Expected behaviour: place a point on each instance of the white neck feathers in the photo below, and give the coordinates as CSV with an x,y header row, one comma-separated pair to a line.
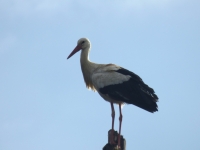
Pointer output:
x,y
87,68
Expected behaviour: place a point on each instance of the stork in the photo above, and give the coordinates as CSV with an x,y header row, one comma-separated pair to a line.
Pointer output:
x,y
115,84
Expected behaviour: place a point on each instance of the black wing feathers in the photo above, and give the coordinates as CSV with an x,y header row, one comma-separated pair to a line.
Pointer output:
x,y
133,91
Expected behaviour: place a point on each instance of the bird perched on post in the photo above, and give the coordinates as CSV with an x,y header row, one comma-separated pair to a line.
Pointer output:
x,y
115,84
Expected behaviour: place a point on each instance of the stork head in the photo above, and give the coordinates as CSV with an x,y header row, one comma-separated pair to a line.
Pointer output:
x,y
82,44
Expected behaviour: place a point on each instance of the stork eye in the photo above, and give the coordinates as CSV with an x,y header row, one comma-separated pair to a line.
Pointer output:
x,y
83,42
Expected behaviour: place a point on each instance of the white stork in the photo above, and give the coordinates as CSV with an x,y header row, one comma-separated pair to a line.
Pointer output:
x,y
115,84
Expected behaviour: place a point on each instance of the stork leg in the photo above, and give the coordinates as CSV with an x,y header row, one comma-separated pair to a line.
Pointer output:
x,y
113,119
120,123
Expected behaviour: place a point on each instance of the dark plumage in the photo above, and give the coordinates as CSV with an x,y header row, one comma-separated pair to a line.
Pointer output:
x,y
134,91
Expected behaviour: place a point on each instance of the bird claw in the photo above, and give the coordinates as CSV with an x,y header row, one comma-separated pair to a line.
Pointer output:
x,y
112,138
112,142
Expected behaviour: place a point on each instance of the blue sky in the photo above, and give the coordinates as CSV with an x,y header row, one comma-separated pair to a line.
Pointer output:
x,y
44,104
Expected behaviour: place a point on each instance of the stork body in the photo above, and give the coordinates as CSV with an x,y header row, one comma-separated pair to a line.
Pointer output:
x,y
115,84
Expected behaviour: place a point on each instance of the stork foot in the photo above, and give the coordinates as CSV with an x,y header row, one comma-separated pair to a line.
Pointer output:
x,y
112,138
119,141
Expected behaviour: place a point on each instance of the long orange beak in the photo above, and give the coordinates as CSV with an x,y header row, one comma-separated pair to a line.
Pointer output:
x,y
76,49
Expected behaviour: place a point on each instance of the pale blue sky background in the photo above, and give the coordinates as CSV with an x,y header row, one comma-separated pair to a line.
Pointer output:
x,y
44,104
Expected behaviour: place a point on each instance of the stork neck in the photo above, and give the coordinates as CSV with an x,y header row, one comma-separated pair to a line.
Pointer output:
x,y
85,56
86,65
87,68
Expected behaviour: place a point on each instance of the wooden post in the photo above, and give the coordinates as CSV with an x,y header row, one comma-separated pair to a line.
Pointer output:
x,y
108,146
